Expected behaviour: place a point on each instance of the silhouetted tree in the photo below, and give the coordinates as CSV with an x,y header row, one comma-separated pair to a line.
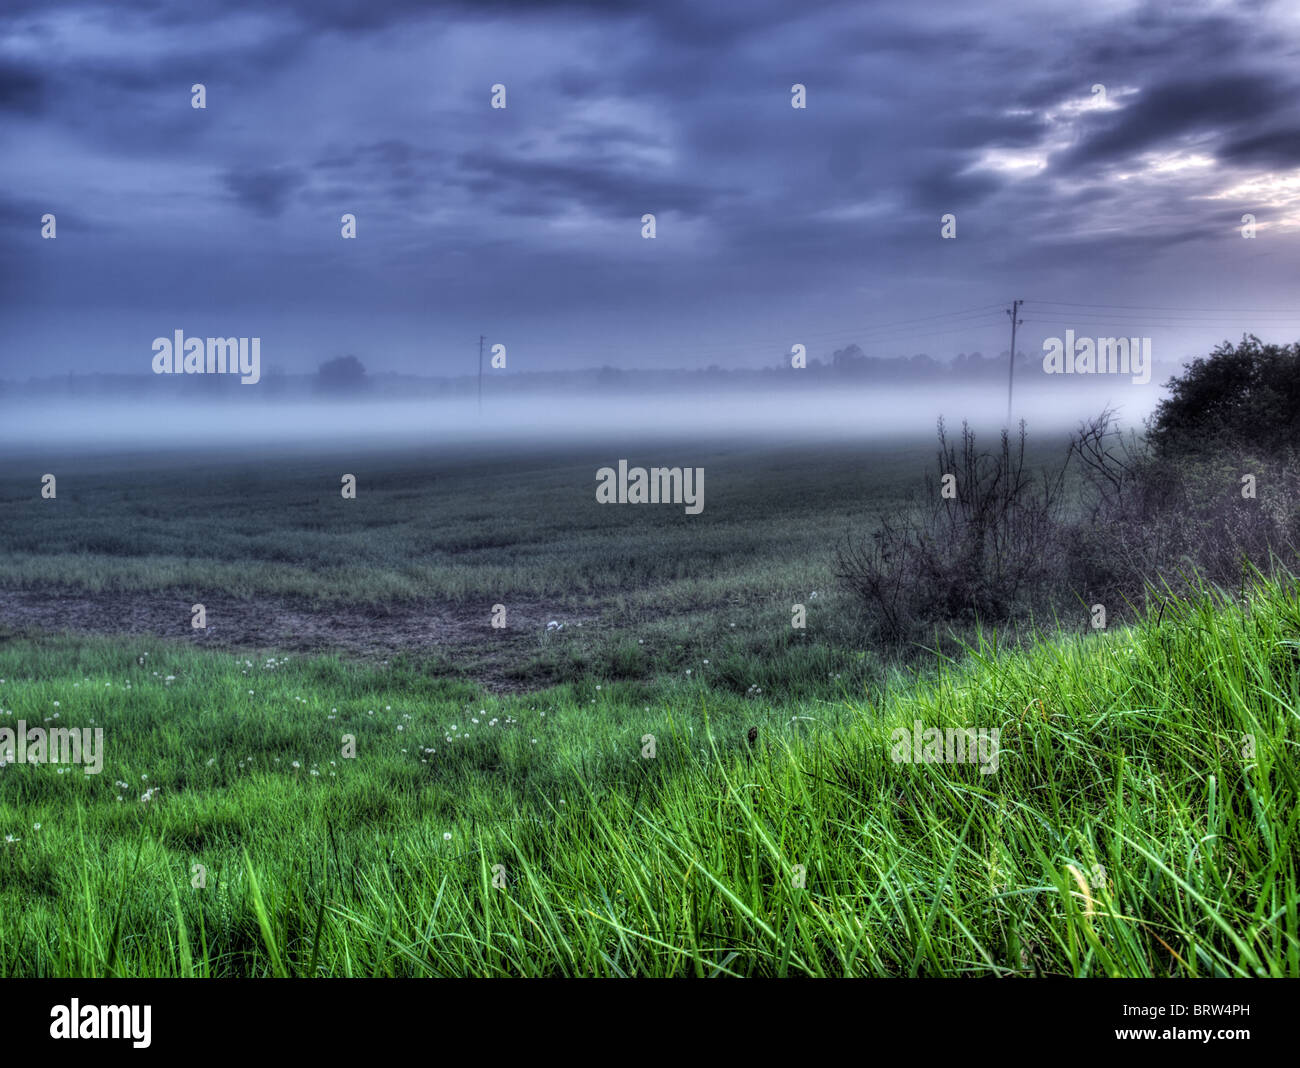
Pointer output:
x,y
610,377
343,374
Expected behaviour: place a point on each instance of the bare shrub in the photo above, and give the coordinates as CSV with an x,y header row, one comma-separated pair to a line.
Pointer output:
x,y
981,554
1012,543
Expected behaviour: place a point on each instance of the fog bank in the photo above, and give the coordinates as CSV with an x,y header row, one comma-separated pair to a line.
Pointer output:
x,y
839,415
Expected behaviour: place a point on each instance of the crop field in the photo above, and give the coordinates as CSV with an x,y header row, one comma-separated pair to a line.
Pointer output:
x,y
282,563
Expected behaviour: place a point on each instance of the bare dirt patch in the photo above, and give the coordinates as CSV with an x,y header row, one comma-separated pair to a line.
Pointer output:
x,y
462,633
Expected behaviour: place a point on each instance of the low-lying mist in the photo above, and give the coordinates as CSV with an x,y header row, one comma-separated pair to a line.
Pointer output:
x,y
839,415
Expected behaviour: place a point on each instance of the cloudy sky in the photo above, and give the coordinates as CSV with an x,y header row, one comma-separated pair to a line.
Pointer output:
x,y
775,225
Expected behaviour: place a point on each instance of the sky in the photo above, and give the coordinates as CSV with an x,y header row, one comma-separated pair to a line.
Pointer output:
x,y
1109,210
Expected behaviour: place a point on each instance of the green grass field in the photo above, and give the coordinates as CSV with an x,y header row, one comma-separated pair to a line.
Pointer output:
x,y
588,801
456,526
416,563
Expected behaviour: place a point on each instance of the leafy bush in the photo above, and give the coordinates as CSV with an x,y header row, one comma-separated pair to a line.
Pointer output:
x,y
1242,397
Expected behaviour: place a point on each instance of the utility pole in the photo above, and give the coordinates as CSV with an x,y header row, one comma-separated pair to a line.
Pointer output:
x,y
480,374
1013,311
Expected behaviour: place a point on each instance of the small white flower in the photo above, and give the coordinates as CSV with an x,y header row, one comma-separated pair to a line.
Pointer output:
x,y
446,836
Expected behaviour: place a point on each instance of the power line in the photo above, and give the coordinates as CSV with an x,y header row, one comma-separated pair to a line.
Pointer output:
x,y
1157,307
1273,320
1136,321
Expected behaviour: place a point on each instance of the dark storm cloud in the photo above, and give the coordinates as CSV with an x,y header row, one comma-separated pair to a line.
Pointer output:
x,y
395,155
20,212
394,169
1174,109
22,88
330,14
526,221
372,14
542,186
980,129
1158,34
957,191
1158,44
1274,148
675,17
264,191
